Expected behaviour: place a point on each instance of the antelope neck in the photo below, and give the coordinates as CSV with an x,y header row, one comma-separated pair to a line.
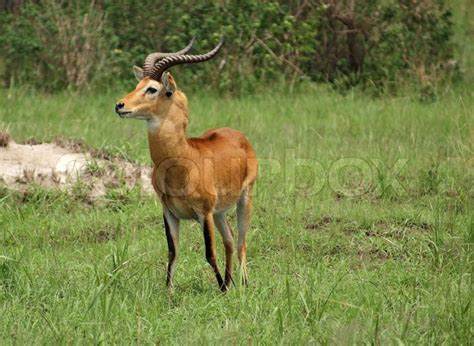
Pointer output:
x,y
167,137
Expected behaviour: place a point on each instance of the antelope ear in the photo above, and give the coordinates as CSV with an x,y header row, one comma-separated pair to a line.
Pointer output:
x,y
138,72
169,85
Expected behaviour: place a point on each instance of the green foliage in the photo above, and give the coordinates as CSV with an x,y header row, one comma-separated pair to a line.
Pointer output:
x,y
54,44
369,43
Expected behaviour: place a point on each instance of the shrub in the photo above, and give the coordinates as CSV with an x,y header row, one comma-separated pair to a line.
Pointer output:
x,y
372,43
54,44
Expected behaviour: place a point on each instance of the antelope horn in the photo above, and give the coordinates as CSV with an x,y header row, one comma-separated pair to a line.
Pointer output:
x,y
164,64
153,58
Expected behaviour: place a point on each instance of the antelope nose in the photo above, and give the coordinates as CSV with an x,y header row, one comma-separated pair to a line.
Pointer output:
x,y
119,106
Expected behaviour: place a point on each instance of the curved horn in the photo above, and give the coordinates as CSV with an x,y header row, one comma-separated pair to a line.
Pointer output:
x,y
164,64
153,58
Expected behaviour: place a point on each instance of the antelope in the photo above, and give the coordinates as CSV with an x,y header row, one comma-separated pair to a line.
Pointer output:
x,y
195,178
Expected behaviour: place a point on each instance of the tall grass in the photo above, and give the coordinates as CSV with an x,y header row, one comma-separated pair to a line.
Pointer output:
x,y
391,264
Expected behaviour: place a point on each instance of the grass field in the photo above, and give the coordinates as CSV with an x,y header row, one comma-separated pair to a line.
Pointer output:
x,y
362,230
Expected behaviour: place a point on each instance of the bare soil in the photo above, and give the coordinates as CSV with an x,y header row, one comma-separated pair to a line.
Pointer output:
x,y
67,162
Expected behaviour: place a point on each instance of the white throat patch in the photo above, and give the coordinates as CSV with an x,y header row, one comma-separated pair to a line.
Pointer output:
x,y
153,124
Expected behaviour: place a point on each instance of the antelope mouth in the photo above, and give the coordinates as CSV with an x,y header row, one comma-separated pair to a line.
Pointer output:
x,y
123,114
133,115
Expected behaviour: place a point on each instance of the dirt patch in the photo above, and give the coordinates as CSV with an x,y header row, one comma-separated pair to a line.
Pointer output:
x,y
322,223
372,255
369,259
105,236
68,162
392,228
397,229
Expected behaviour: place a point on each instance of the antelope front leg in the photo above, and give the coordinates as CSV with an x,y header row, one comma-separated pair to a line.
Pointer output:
x,y
210,243
172,237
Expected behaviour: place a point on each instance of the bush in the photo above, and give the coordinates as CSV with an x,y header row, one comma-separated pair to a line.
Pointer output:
x,y
345,42
54,44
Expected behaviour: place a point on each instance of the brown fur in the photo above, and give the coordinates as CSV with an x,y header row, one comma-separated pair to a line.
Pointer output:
x,y
196,178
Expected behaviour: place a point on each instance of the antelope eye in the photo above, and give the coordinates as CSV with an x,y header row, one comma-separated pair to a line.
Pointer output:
x,y
150,90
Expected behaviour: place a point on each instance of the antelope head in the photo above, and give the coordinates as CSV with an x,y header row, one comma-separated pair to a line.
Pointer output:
x,y
156,90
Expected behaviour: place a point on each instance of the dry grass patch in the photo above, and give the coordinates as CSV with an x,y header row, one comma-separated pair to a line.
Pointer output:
x,y
4,138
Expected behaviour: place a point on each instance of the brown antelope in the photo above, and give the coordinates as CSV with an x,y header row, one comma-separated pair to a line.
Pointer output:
x,y
195,178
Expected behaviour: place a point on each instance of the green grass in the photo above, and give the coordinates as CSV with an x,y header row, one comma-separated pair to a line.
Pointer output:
x,y
392,264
